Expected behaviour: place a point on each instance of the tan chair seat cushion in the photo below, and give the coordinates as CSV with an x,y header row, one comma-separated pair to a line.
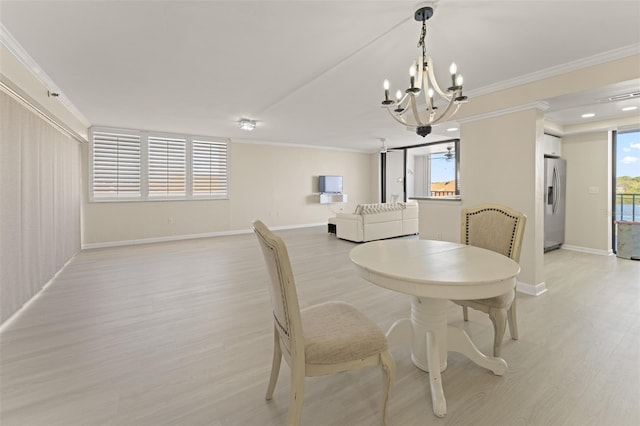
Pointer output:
x,y
337,332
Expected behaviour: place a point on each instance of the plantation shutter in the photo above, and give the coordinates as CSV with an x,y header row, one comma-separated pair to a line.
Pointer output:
x,y
167,166
116,165
210,169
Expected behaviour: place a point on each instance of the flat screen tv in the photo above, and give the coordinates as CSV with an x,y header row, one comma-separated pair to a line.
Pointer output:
x,y
330,184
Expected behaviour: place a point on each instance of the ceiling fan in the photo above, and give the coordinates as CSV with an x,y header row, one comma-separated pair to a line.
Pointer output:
x,y
447,156
384,149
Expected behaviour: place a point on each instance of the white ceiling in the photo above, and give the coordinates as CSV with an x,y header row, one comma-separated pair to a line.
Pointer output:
x,y
310,72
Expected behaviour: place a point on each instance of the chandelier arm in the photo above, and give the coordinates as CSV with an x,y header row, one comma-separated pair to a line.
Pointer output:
x,y
404,99
420,76
434,82
398,118
416,114
427,99
446,113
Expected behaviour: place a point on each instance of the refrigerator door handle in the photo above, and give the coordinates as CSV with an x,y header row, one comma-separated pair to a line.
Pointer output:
x,y
554,183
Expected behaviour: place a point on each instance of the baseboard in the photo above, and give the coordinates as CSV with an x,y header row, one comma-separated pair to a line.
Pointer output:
x,y
26,304
191,236
587,250
530,289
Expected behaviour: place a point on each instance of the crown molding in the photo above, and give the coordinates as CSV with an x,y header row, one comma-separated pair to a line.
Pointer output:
x,y
30,64
601,58
296,145
542,106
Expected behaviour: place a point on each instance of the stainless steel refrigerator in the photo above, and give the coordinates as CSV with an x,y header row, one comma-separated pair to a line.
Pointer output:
x,y
555,178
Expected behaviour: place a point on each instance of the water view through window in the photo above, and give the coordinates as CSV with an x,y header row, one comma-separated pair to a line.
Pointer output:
x,y
627,176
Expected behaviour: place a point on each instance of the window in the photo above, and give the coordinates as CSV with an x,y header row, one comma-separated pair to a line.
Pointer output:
x,y
135,165
116,165
441,172
209,167
167,166
430,170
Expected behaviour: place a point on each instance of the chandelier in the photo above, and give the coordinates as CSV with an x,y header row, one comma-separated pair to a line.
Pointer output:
x,y
405,108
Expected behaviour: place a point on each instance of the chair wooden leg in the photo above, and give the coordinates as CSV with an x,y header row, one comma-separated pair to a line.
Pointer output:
x,y
465,313
499,319
296,394
275,365
388,376
512,319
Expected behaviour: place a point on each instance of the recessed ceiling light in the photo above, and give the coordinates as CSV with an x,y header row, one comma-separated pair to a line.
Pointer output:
x,y
452,129
588,115
631,108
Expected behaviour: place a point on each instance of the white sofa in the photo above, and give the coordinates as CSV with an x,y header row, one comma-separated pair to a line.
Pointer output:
x,y
377,221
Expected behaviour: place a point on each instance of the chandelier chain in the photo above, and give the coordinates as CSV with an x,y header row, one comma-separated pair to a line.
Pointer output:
x,y
421,43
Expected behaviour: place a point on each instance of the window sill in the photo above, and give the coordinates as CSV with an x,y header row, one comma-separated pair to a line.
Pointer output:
x,y
456,198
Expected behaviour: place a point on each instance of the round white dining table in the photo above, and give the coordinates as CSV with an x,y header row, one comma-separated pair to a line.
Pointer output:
x,y
433,272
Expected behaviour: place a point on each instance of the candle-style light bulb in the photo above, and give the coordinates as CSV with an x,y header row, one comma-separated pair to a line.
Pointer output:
x,y
459,80
430,92
399,95
386,101
453,69
412,75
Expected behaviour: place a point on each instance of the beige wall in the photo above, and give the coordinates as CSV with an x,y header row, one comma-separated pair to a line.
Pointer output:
x,y
274,183
500,162
439,220
588,224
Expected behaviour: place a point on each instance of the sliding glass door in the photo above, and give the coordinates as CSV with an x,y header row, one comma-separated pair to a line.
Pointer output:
x,y
626,179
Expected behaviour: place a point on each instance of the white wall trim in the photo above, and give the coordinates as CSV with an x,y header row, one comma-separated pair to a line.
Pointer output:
x,y
608,252
191,236
297,145
6,86
542,106
530,289
29,63
601,58
26,304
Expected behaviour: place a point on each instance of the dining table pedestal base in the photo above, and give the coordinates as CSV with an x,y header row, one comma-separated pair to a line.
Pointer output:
x,y
431,339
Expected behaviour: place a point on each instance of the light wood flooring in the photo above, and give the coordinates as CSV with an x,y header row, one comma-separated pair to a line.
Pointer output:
x,y
179,333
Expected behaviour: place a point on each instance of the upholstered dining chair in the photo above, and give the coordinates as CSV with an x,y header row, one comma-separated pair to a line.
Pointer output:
x,y
322,339
500,229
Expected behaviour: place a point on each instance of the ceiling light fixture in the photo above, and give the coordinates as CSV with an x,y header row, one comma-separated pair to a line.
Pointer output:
x,y
422,79
588,115
630,108
246,124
